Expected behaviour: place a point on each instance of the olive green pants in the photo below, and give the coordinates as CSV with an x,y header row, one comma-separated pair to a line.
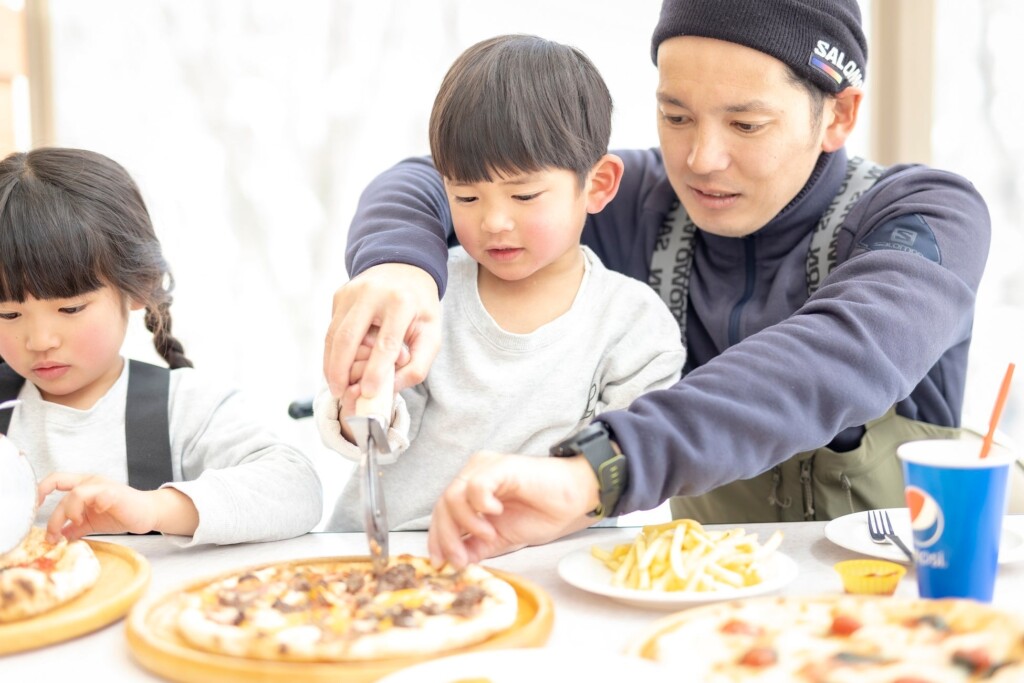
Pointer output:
x,y
820,484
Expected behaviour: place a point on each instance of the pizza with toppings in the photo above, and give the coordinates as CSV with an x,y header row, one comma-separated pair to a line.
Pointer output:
x,y
840,640
38,576
339,610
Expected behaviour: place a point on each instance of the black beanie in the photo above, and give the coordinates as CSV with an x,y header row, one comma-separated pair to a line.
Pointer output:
x,y
821,40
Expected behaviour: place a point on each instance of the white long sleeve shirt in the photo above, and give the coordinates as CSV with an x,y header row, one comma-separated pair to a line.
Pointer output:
x,y
246,484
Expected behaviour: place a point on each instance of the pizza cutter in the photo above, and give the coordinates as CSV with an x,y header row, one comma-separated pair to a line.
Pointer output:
x,y
369,426
17,495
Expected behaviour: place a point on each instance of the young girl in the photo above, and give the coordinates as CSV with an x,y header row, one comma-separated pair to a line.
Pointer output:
x,y
134,447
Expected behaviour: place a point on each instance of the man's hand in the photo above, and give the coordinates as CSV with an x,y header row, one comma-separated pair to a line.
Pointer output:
x,y
402,302
500,503
94,505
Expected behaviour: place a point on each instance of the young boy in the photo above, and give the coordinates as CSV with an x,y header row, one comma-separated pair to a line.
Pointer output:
x,y
538,337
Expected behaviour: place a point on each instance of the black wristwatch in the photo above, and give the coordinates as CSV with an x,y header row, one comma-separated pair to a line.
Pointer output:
x,y
594,443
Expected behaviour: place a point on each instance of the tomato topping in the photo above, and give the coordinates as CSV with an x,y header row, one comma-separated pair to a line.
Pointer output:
x,y
759,656
844,625
737,627
44,564
976,661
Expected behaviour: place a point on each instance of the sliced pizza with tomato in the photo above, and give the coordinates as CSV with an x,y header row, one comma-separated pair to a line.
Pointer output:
x,y
38,576
841,640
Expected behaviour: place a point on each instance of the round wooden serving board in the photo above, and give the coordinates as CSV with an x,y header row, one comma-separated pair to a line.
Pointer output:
x,y
153,639
124,575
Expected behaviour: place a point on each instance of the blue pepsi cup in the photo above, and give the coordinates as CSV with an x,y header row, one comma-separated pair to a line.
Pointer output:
x,y
957,501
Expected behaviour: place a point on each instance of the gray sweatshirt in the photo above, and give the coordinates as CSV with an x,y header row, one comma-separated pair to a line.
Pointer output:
x,y
514,393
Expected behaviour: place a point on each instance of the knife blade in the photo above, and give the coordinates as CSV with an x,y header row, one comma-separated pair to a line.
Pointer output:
x,y
369,427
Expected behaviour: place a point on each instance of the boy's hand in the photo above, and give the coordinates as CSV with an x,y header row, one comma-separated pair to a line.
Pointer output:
x,y
95,505
347,402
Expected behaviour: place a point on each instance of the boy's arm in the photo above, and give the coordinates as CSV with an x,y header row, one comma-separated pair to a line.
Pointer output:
x,y
640,338
647,354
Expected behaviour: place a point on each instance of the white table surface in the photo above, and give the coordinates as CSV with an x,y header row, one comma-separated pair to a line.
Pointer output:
x,y
581,619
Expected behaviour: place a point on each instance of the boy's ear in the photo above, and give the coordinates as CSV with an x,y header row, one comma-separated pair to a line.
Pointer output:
x,y
843,111
604,182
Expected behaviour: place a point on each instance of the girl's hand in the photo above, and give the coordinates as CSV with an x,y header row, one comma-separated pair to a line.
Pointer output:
x,y
95,505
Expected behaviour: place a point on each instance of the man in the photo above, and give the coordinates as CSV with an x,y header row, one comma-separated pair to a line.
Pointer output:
x,y
812,354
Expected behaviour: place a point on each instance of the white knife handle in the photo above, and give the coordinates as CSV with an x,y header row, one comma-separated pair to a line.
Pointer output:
x,y
380,405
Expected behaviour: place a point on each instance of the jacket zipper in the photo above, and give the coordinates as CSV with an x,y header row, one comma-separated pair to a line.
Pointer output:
x,y
750,253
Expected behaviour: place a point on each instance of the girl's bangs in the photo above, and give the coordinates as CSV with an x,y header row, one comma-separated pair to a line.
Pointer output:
x,y
46,250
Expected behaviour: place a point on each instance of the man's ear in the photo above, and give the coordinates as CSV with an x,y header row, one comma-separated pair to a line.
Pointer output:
x,y
603,182
843,107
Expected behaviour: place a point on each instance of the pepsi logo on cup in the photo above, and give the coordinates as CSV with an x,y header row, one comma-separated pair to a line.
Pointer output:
x,y
926,517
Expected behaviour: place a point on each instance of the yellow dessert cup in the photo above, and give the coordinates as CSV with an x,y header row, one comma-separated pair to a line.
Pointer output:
x,y
870,577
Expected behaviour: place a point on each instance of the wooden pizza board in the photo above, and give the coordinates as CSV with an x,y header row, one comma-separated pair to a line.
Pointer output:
x,y
154,640
124,575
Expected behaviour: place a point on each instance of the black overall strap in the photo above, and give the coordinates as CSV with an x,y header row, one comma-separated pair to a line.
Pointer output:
x,y
146,426
10,386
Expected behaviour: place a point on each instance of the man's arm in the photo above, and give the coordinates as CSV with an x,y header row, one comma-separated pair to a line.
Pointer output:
x,y
402,217
397,255
880,321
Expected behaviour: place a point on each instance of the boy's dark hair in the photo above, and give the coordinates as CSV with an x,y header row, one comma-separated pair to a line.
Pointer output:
x,y
72,221
519,104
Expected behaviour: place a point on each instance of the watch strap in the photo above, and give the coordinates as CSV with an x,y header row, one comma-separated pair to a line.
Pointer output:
x,y
609,464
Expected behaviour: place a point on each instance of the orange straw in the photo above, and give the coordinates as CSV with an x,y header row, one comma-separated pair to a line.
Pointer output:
x,y
986,445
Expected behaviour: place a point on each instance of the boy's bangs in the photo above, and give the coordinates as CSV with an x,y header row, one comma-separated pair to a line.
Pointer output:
x,y
46,250
487,144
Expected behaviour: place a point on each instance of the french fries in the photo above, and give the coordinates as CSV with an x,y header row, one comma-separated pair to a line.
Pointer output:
x,y
683,556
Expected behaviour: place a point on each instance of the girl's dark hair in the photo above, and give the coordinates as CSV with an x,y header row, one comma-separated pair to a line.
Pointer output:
x,y
519,104
73,221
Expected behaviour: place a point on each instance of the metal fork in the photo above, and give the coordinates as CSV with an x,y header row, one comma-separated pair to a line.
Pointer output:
x,y
880,528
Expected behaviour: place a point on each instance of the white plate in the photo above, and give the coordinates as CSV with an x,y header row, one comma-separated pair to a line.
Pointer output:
x,y
851,532
532,664
581,569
